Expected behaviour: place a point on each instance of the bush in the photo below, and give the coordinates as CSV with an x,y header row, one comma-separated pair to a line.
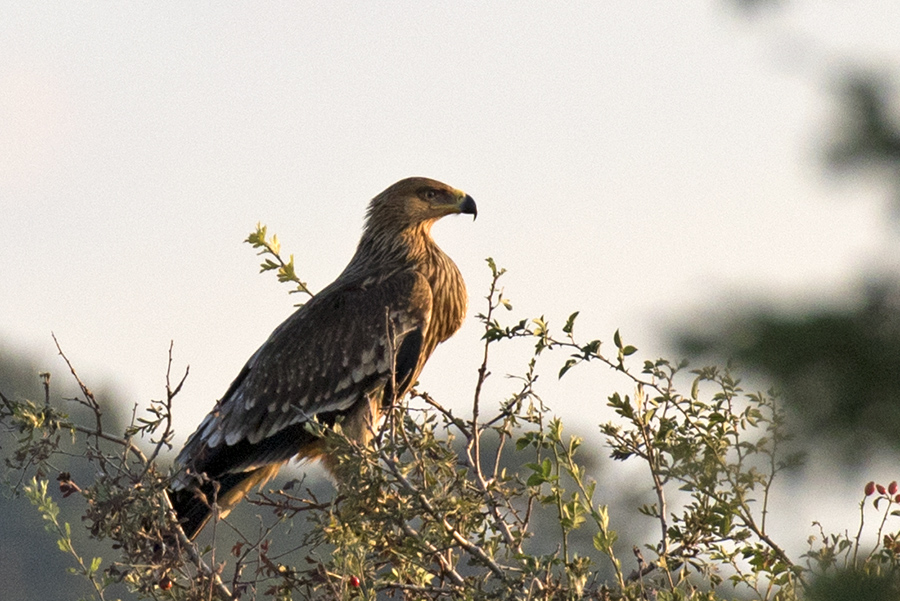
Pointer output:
x,y
495,504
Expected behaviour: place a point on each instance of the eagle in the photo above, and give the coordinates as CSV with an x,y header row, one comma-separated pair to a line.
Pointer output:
x,y
344,356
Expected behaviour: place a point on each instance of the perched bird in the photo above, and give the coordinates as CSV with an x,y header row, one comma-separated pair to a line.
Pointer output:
x,y
397,299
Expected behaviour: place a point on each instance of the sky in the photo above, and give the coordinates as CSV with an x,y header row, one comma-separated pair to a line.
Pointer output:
x,y
644,163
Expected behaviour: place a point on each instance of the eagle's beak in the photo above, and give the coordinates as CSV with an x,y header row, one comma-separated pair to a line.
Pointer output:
x,y
467,207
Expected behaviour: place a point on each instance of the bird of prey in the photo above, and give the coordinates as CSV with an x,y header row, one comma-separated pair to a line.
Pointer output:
x,y
345,355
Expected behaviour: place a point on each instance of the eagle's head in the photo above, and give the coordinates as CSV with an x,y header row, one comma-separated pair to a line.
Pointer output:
x,y
416,202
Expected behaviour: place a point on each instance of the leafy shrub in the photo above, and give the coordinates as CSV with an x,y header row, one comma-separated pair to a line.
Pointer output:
x,y
494,504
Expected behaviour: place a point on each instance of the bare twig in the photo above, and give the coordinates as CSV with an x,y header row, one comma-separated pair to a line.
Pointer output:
x,y
89,400
171,393
8,403
45,381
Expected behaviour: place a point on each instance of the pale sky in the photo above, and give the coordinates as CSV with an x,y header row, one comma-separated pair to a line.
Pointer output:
x,y
638,161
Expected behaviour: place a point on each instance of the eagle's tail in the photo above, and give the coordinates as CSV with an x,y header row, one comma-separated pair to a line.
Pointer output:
x,y
192,509
193,505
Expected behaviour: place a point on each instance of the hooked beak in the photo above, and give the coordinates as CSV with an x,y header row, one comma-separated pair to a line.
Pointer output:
x,y
467,207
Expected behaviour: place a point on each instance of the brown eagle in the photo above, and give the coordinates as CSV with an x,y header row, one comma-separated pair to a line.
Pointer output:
x,y
397,299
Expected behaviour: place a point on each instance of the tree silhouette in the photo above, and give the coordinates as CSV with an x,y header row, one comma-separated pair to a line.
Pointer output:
x,y
836,367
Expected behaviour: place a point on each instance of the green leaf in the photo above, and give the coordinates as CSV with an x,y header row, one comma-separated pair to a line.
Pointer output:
x,y
535,480
603,541
570,323
546,468
617,340
542,472
570,363
555,431
524,441
258,237
591,348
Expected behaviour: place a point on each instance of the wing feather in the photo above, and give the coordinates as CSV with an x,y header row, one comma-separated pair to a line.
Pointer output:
x,y
330,354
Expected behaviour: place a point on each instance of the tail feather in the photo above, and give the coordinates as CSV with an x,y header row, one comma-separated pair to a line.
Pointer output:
x,y
193,505
192,509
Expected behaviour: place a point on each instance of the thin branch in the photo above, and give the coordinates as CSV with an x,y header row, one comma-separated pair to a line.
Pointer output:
x,y
8,403
45,381
90,401
167,416
446,567
653,462
127,444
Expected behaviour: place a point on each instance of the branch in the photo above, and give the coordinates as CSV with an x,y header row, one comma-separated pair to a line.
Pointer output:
x,y
190,548
469,547
89,401
285,269
167,418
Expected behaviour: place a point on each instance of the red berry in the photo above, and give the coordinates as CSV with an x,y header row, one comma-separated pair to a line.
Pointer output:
x,y
881,490
896,498
165,583
354,581
892,487
870,488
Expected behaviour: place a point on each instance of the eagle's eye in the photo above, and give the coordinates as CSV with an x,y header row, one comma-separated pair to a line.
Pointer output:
x,y
430,194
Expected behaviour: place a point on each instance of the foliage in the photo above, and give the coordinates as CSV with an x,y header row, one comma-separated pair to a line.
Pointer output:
x,y
450,506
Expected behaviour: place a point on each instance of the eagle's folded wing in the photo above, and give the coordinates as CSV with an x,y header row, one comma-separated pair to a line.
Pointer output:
x,y
329,355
